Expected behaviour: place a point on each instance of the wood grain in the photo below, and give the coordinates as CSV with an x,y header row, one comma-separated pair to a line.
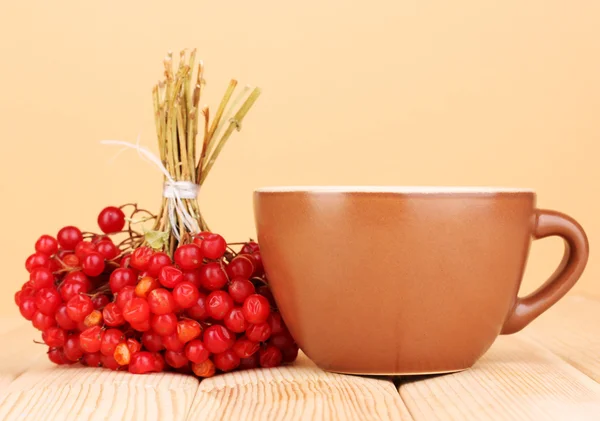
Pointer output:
x,y
516,380
18,351
301,392
571,329
48,392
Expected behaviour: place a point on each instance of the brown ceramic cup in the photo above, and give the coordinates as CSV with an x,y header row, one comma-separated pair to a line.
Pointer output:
x,y
382,281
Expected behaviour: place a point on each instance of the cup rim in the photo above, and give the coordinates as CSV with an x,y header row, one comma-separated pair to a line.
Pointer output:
x,y
395,189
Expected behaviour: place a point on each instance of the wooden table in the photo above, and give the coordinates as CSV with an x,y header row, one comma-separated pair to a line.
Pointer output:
x,y
550,371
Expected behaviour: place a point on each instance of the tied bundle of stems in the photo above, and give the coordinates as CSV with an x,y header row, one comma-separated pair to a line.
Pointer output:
x,y
177,114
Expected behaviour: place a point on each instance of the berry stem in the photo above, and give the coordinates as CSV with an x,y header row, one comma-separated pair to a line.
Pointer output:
x,y
177,113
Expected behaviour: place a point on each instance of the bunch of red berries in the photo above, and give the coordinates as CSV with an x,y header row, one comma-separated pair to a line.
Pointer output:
x,y
129,307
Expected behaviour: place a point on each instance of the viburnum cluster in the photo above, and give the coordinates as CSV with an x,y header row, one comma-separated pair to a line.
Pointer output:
x,y
173,297
207,309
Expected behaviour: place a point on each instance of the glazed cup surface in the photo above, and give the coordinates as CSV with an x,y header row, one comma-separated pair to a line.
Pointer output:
x,y
383,280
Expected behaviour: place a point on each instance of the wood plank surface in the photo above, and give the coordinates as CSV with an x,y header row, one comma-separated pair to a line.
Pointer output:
x,y
546,372
571,330
301,392
18,351
516,380
48,392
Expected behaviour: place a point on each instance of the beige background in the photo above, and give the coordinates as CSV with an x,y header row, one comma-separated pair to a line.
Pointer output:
x,y
378,92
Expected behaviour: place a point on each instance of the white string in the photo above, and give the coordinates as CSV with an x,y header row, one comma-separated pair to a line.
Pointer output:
x,y
185,189
173,190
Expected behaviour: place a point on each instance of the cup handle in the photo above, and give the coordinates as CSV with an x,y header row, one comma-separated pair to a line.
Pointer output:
x,y
549,223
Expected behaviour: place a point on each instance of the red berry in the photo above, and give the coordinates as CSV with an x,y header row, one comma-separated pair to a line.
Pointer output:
x,y
196,352
164,324
282,340
142,362
276,323
235,320
37,260
265,291
185,294
152,341
125,261
199,238
157,262
26,291
71,261
112,315
79,307
83,248
47,245
27,307
92,360
110,340
258,263
270,357
170,276
188,329
213,246
47,300
72,348
212,276
70,289
258,333
108,361
57,356
249,248
218,338
122,354
172,343
54,337
290,354
188,256
97,238
241,266
240,289
250,362
192,276
124,296
41,278
100,301
161,301
93,319
245,348
111,219
198,310
136,310
55,265
142,326
68,237
90,340
63,320
226,361
93,264
204,369
140,258
133,345
120,278
17,297
42,321
146,285
256,309
107,249
175,359
159,362
78,276
218,304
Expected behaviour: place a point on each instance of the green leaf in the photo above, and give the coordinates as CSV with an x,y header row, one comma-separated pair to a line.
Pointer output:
x,y
156,239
